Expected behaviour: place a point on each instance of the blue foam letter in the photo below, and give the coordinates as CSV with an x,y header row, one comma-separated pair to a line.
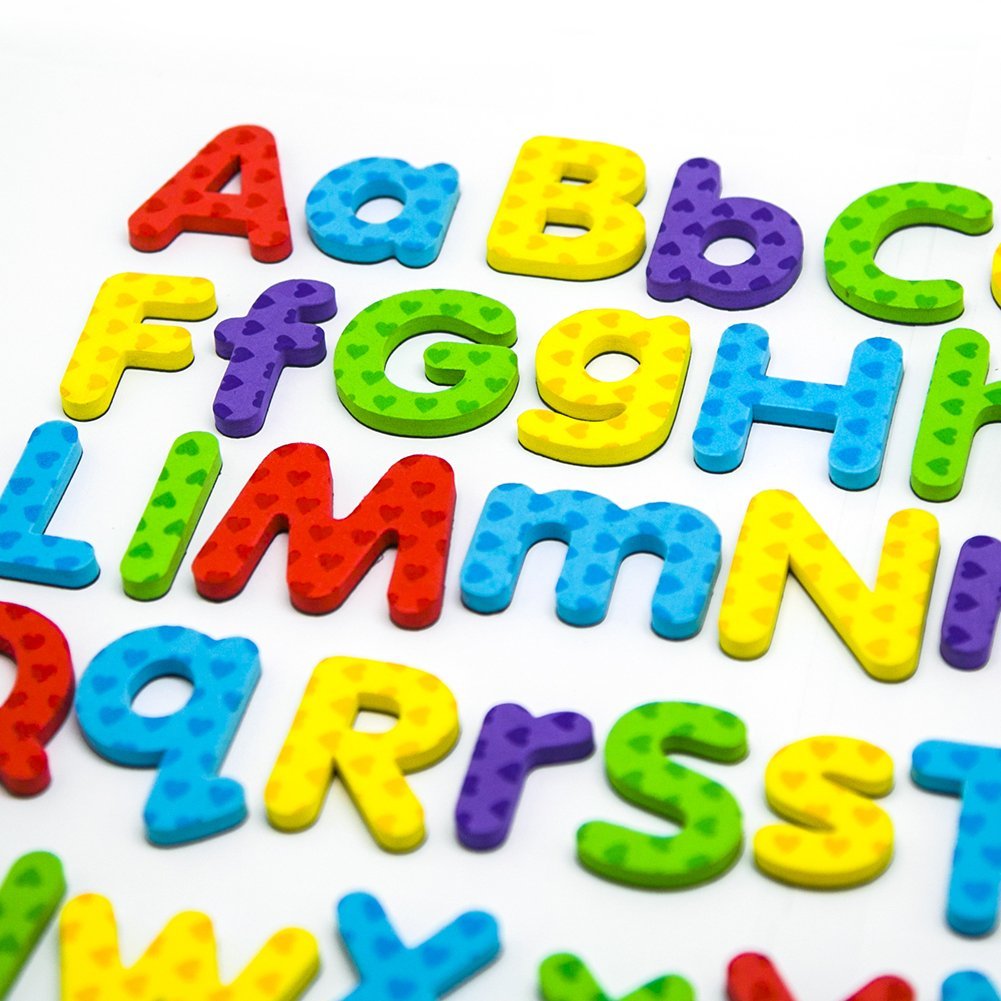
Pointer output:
x,y
28,503
414,237
188,800
859,412
599,536
388,969
968,985
973,773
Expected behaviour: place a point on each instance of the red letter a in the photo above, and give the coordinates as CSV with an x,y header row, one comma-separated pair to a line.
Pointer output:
x,y
192,200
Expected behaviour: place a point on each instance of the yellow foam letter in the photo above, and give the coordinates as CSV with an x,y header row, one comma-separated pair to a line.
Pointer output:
x,y
811,782
322,743
882,627
115,338
535,197
996,276
607,423
179,965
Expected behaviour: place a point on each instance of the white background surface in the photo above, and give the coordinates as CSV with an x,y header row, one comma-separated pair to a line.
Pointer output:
x,y
808,106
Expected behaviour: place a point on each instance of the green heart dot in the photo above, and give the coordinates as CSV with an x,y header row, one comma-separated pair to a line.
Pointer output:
x,y
615,854
28,876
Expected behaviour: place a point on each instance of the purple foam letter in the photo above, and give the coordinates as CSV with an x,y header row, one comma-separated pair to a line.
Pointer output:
x,y
511,743
696,216
971,613
278,331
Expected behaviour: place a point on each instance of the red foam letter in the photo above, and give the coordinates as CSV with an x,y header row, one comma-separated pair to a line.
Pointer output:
x,y
192,199
411,508
752,977
39,701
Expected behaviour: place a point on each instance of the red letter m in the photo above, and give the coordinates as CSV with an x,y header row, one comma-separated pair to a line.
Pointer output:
x,y
410,508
